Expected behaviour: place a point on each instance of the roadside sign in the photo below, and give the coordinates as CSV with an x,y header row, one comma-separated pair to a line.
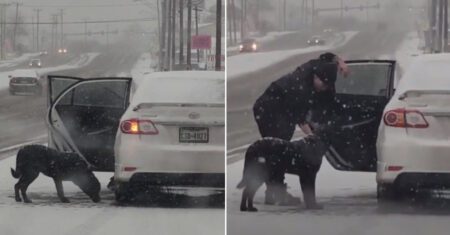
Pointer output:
x,y
201,42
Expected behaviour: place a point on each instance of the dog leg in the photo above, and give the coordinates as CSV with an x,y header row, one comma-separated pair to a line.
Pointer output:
x,y
308,185
244,199
60,191
252,188
27,178
269,195
16,191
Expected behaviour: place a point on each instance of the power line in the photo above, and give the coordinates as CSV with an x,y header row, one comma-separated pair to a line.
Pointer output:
x,y
82,5
88,22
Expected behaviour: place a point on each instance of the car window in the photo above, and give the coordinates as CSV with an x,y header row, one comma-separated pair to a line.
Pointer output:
x,y
365,79
109,94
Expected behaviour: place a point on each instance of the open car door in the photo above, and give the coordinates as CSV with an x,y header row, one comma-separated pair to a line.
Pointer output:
x,y
84,115
359,103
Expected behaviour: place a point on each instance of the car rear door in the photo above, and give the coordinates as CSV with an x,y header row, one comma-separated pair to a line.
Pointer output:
x,y
84,115
359,103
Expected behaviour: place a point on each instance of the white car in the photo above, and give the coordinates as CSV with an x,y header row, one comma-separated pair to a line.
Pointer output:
x,y
413,142
172,134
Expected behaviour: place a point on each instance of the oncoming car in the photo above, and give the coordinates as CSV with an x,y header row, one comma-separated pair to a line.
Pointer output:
x,y
25,82
173,134
248,45
35,63
316,40
413,141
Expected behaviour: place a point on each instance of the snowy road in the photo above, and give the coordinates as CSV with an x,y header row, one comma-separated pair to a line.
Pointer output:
x,y
47,216
349,198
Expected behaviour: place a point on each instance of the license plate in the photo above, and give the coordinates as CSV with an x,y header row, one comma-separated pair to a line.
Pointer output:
x,y
194,135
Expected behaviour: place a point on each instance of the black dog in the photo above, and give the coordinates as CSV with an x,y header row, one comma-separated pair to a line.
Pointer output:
x,y
268,159
33,159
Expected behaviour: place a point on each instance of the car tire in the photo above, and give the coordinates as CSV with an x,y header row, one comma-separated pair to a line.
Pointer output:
x,y
123,193
12,93
387,193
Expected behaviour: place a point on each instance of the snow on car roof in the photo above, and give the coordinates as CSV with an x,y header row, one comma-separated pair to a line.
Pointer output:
x,y
24,73
181,87
427,72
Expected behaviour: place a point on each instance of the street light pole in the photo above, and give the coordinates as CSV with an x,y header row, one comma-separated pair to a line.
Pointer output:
x,y
218,35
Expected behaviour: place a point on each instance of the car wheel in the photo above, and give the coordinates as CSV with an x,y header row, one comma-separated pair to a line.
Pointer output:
x,y
387,193
123,193
12,93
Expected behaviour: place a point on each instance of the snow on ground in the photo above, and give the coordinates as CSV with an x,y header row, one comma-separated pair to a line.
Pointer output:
x,y
18,60
47,216
78,62
250,62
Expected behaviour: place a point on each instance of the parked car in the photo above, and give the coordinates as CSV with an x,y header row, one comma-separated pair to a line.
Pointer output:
x,y
173,127
35,63
248,45
413,139
316,40
24,82
172,134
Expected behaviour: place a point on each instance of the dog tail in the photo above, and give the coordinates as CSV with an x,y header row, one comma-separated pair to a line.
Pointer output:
x,y
241,184
15,174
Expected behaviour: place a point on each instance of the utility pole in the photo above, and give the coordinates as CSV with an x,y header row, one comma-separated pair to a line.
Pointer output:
x,y
169,33
242,19
433,25
32,28
218,35
15,26
445,25
3,7
196,30
342,13
85,35
107,36
162,46
313,11
233,12
37,28
189,34
174,24
159,33
284,15
62,28
55,32
181,59
440,25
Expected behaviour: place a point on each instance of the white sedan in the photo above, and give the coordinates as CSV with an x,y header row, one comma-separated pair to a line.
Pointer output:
x,y
413,142
172,134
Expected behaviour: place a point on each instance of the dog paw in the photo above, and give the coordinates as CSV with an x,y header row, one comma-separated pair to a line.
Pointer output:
x,y
65,200
314,207
243,208
27,201
18,199
252,209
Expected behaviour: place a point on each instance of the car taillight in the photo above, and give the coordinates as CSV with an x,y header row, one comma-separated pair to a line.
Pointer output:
x,y
405,118
140,127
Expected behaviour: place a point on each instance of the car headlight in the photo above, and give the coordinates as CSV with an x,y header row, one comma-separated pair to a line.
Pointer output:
x,y
309,41
60,51
317,41
65,51
241,47
254,46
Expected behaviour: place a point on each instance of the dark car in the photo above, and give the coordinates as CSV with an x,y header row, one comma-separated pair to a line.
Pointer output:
x,y
27,83
248,45
35,63
360,101
316,40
